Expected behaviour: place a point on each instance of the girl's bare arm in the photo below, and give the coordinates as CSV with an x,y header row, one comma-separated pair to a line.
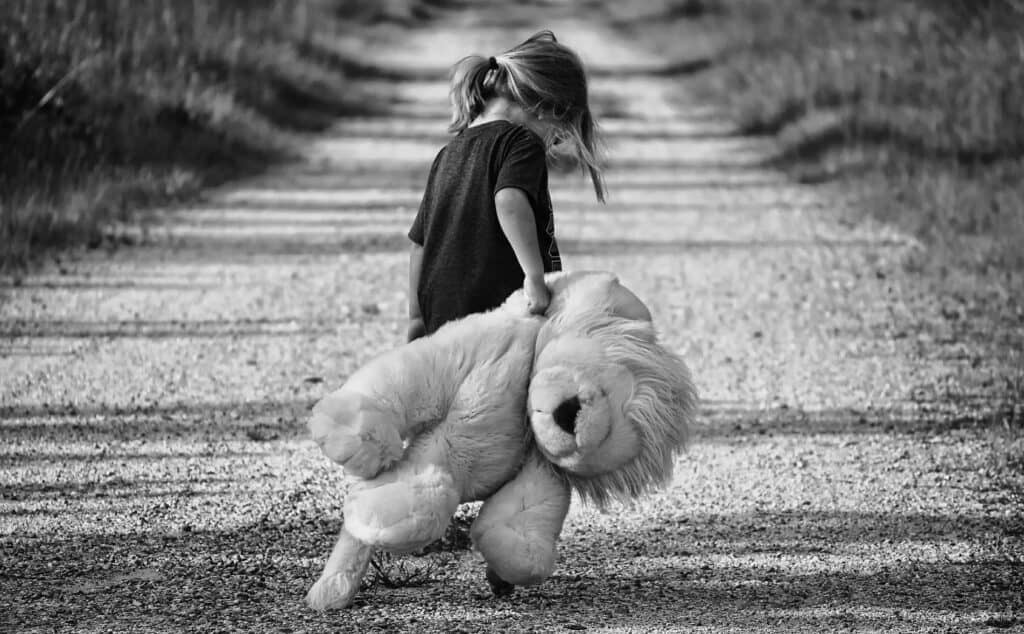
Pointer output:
x,y
416,327
515,215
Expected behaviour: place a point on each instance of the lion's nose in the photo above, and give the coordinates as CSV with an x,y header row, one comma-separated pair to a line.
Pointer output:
x,y
565,414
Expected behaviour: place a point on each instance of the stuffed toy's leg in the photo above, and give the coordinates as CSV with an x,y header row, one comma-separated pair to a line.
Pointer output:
x,y
518,526
404,508
342,574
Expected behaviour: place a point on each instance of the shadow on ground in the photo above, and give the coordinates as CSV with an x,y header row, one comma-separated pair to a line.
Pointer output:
x,y
181,566
741,565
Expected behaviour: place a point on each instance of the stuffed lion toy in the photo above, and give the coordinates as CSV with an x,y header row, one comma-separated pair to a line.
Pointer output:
x,y
510,409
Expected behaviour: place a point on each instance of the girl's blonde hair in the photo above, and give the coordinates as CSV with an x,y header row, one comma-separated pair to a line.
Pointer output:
x,y
547,79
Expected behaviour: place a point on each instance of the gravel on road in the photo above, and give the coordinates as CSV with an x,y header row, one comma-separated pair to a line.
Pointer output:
x,y
858,463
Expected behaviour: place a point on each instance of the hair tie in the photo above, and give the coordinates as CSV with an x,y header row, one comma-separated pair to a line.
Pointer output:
x,y
492,63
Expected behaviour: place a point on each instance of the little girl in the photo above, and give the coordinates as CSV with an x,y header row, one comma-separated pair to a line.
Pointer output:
x,y
485,226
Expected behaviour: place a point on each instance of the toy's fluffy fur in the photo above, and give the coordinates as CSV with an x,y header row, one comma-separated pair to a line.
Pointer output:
x,y
663,394
477,411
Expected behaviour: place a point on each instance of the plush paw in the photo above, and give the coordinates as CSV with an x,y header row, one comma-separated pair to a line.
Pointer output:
x,y
354,434
332,592
512,557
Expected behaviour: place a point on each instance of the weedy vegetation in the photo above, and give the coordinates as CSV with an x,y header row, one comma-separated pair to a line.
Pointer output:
x,y
111,106
916,107
394,571
425,565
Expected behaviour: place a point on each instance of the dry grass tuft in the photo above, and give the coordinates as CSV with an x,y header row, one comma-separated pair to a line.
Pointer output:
x,y
424,565
109,105
393,571
915,105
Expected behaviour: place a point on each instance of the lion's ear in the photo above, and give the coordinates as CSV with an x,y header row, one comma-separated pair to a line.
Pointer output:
x,y
583,291
623,303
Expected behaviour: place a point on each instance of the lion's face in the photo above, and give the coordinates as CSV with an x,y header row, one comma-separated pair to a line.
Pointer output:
x,y
608,404
578,407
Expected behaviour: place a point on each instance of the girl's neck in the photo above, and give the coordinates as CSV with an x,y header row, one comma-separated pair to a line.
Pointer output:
x,y
500,109
504,109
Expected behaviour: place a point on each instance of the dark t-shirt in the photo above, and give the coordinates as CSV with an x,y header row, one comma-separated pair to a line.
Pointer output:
x,y
468,264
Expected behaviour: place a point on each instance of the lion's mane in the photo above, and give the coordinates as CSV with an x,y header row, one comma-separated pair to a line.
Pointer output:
x,y
661,405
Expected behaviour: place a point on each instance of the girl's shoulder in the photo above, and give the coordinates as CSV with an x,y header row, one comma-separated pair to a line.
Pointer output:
x,y
522,133
517,139
486,141
502,130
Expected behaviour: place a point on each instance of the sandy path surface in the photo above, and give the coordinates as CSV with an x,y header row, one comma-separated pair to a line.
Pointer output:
x,y
849,471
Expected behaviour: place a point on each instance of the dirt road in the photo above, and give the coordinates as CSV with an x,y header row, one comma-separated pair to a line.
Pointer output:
x,y
850,470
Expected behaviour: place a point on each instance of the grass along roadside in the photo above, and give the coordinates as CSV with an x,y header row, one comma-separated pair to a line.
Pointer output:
x,y
914,107
111,107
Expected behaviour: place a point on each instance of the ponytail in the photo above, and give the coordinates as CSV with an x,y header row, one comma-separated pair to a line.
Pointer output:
x,y
470,89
